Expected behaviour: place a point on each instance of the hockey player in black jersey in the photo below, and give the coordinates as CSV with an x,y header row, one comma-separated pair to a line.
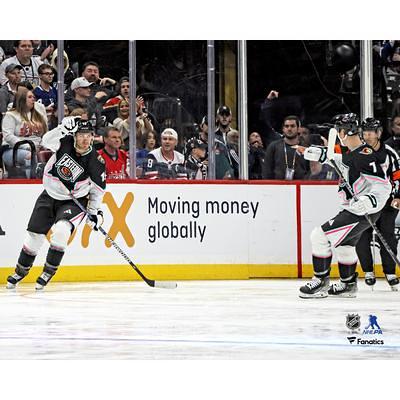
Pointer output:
x,y
390,162
362,170
74,168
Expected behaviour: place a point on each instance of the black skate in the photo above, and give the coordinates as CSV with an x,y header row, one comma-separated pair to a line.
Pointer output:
x,y
370,279
43,280
13,280
344,289
393,281
20,273
316,288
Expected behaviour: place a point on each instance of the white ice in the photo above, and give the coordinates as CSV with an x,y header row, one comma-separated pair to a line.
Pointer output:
x,y
253,319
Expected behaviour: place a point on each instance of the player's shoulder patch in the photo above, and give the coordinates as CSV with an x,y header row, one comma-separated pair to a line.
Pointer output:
x,y
366,151
100,158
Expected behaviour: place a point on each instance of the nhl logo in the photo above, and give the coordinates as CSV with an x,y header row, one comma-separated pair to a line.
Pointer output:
x,y
353,321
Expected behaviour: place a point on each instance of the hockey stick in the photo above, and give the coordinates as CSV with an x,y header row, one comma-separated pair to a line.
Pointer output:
x,y
330,156
150,282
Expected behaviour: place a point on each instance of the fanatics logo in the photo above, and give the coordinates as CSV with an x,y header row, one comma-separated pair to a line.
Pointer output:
x,y
68,169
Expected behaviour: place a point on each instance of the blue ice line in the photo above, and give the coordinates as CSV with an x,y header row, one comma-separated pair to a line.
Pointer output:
x,y
222,342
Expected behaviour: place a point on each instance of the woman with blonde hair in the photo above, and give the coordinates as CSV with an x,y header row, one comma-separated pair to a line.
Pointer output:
x,y
143,123
22,122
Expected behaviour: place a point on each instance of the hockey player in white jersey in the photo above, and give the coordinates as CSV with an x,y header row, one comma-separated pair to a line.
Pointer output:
x,y
75,168
362,170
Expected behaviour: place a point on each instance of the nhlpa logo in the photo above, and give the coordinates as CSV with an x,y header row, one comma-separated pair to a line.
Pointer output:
x,y
68,169
353,322
373,327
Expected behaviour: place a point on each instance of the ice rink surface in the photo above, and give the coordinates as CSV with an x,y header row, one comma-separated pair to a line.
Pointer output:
x,y
200,320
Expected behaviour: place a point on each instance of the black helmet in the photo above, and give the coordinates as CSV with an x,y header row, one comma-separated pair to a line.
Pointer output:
x,y
348,122
371,124
85,126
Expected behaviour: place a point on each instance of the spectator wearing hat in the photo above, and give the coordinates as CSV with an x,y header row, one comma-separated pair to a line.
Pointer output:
x,y
166,153
25,58
82,98
196,162
223,122
165,162
223,168
8,91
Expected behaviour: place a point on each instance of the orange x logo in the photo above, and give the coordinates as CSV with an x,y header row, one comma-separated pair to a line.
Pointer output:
x,y
119,222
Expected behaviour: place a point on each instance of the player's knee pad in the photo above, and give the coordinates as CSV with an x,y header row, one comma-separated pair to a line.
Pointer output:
x,y
61,232
346,255
33,242
320,244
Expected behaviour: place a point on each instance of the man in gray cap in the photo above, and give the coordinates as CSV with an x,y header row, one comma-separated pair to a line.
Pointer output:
x,y
7,92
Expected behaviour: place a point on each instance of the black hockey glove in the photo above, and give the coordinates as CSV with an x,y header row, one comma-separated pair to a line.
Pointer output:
x,y
95,220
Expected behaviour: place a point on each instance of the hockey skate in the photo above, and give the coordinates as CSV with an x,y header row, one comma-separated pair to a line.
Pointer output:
x,y
13,280
20,273
370,279
43,280
393,281
344,289
316,288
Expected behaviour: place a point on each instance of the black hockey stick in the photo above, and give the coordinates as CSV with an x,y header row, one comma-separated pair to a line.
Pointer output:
x,y
332,162
150,282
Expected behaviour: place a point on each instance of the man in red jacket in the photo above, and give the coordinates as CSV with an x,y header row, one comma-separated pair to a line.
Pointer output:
x,y
115,158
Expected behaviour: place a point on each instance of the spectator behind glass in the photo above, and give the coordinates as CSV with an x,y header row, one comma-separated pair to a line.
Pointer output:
x,y
122,122
102,88
46,94
232,143
394,140
7,92
165,162
82,98
223,167
282,160
256,155
196,162
115,158
21,123
223,122
28,62
149,144
123,93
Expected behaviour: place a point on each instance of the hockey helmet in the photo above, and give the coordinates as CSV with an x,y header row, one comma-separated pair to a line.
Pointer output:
x,y
349,122
371,124
85,126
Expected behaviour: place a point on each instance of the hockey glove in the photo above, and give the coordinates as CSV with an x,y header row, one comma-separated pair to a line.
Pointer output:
x,y
69,125
95,220
315,153
364,205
